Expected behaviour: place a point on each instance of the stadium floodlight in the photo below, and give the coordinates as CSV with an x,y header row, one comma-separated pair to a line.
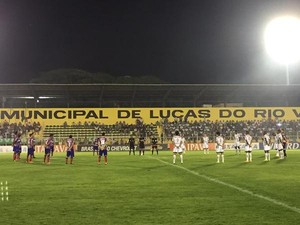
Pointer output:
x,y
282,43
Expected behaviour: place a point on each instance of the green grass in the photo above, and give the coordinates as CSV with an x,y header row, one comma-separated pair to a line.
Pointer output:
x,y
150,190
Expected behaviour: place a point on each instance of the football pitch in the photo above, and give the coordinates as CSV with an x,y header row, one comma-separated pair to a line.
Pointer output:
x,y
151,190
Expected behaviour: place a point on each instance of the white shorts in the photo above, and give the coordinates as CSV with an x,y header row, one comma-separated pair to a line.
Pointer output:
x,y
219,149
248,148
177,150
237,144
204,145
279,146
267,147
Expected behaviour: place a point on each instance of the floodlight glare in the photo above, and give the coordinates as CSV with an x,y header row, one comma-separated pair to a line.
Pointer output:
x,y
282,39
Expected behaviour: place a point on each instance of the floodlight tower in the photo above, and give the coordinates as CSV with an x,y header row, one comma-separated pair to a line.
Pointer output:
x,y
282,41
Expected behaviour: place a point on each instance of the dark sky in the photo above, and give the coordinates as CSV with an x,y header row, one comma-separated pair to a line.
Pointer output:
x,y
180,41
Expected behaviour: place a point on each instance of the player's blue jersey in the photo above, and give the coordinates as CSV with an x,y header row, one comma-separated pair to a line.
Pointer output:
x,y
31,142
17,142
49,143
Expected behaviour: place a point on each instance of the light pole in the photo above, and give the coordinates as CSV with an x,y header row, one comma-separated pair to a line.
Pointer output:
x,y
282,43
287,72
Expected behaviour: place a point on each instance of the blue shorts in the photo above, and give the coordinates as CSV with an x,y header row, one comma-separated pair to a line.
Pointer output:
x,y
30,151
16,149
95,148
103,152
70,154
47,151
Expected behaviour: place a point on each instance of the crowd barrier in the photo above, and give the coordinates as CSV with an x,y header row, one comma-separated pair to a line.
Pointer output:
x,y
161,147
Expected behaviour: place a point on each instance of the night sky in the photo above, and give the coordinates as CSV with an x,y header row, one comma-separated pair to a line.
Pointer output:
x,y
180,41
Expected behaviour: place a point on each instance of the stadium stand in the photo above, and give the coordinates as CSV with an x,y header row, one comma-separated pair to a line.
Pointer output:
x,y
86,133
147,95
195,130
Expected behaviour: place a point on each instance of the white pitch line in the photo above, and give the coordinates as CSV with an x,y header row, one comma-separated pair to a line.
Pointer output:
x,y
274,201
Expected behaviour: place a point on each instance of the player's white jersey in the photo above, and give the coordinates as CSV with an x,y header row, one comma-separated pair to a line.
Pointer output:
x,y
205,142
102,142
266,142
177,140
219,144
279,140
248,141
237,140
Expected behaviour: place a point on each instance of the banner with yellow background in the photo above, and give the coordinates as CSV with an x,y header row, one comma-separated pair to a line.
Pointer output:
x,y
57,116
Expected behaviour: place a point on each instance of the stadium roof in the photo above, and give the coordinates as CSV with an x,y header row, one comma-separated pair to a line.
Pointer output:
x,y
147,95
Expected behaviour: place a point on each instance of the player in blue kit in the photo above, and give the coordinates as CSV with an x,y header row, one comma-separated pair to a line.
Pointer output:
x,y
70,149
16,146
95,146
52,146
102,148
31,145
48,146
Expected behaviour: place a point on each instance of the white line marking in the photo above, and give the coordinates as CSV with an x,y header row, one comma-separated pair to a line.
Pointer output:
x,y
274,201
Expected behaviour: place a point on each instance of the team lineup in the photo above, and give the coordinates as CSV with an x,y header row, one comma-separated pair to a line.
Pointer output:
x,y
179,146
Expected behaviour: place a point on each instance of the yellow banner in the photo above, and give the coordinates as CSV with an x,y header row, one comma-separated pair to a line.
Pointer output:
x,y
57,116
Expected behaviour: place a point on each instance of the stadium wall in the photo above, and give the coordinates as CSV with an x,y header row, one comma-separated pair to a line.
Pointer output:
x,y
108,116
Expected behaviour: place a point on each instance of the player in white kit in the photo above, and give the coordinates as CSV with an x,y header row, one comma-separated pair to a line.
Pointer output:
x,y
205,141
275,144
177,141
248,147
279,142
237,144
267,145
219,147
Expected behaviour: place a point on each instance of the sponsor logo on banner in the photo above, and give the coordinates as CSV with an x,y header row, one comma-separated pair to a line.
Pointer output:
x,y
212,146
57,148
292,145
230,146
118,148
